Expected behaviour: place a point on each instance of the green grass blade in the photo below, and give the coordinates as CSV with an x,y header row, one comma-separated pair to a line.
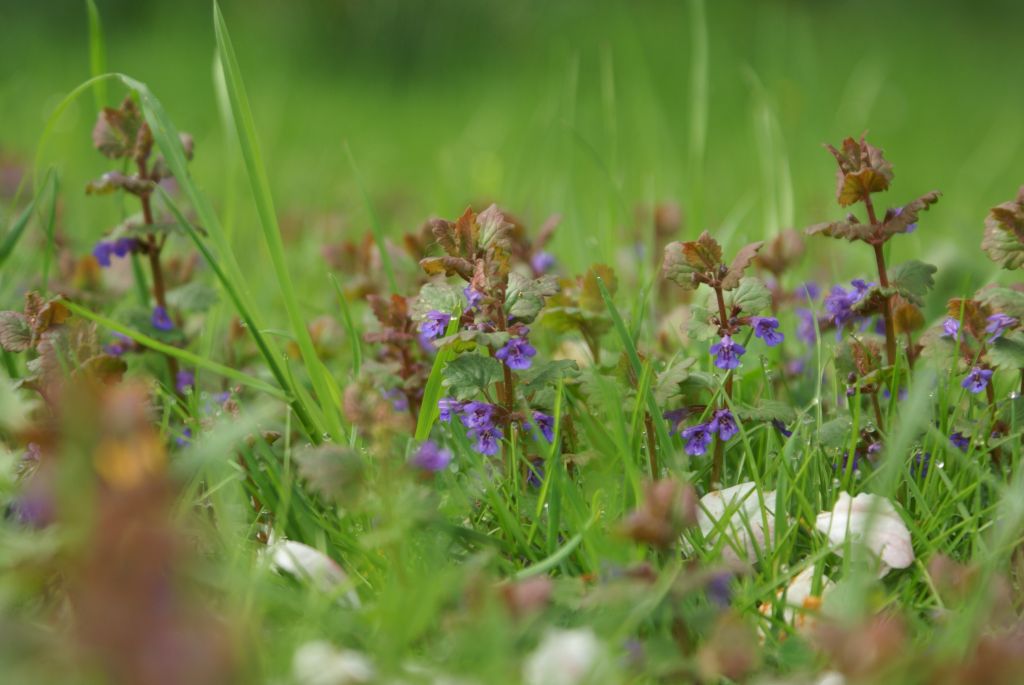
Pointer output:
x,y
256,171
178,353
17,229
429,410
350,328
97,54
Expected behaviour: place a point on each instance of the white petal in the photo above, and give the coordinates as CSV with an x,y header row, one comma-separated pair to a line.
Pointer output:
x,y
564,657
874,521
307,563
747,529
320,663
800,601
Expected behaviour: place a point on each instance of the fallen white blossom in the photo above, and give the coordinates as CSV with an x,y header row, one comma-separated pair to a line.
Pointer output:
x,y
873,521
309,564
321,663
564,657
748,527
801,606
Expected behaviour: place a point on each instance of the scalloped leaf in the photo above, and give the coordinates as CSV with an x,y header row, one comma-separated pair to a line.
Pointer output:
x,y
675,268
913,280
469,374
899,220
751,296
1007,351
525,296
740,264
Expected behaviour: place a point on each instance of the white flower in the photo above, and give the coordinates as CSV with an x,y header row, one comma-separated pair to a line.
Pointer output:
x,y
321,663
831,678
564,657
874,521
746,520
307,563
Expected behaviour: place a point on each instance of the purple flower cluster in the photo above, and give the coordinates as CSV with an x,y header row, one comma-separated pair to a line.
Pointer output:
x,y
727,353
960,441
997,325
767,329
698,438
839,302
105,249
478,418
433,326
184,381
546,425
160,319
951,328
517,353
473,297
977,380
430,457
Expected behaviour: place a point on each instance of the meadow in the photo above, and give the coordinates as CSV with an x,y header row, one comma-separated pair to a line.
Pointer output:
x,y
548,343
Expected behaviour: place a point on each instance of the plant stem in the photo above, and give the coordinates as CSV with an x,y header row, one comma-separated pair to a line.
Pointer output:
x,y
723,321
153,249
883,280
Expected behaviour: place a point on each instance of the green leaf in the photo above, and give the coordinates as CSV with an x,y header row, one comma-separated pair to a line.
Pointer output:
x,y
436,296
469,374
835,433
668,383
766,410
466,340
1007,352
698,326
751,296
676,269
525,296
1003,299
548,373
1003,241
913,280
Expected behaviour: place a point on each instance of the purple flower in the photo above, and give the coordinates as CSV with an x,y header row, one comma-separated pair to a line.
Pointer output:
x,y
447,405
122,247
473,297
806,331
185,439
674,418
960,441
719,589
809,291
102,253
535,473
160,320
546,424
723,423
120,345
781,427
951,328
516,353
840,302
766,328
184,380
477,415
976,380
434,325
727,353
430,457
997,325
920,464
697,438
542,262
487,440
397,398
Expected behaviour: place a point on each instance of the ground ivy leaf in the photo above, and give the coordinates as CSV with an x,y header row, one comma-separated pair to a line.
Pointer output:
x,y
1007,351
436,296
15,333
766,410
704,253
739,265
675,268
751,296
835,433
1003,241
698,326
851,229
548,373
465,340
193,297
668,383
1003,299
899,220
525,296
913,280
468,374
863,169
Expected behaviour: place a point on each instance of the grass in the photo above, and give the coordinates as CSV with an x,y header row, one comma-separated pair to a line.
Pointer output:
x,y
287,433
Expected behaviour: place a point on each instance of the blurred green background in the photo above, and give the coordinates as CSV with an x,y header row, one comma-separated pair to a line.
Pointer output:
x,y
587,108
